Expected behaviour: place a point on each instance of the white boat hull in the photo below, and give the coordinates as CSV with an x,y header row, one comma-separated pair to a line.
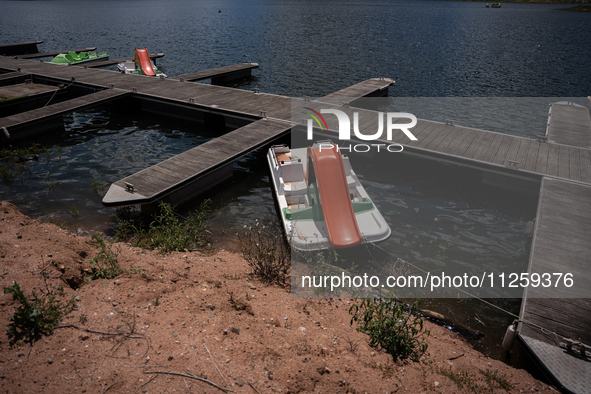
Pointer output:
x,y
288,168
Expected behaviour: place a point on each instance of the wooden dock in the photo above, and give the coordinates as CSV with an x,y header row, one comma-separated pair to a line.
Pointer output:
x,y
53,54
179,178
376,87
557,315
19,48
34,121
226,73
106,63
569,124
13,78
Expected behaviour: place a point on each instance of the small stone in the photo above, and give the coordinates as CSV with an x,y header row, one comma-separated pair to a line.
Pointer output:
x,y
19,236
77,298
436,384
49,361
170,358
490,365
114,304
303,329
174,334
235,330
270,376
225,332
84,337
2,303
240,383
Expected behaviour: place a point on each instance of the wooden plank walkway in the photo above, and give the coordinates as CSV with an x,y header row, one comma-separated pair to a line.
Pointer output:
x,y
467,146
569,124
238,70
560,245
106,63
162,180
25,89
374,87
19,48
26,119
12,78
47,54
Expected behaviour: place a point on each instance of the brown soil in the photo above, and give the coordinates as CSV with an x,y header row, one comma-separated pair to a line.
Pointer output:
x,y
181,304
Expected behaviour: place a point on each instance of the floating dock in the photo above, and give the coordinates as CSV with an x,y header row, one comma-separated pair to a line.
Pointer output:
x,y
553,319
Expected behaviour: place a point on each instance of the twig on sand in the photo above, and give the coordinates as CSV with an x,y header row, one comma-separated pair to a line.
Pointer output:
x,y
250,384
101,332
192,377
152,378
213,362
105,388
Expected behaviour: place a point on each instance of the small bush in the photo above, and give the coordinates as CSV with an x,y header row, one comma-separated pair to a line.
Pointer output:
x,y
169,234
392,325
35,318
104,264
266,252
165,231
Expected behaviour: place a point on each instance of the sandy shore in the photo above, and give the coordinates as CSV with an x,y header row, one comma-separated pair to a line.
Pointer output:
x,y
189,313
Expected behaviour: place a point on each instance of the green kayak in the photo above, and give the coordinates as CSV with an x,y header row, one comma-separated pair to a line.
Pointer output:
x,y
79,58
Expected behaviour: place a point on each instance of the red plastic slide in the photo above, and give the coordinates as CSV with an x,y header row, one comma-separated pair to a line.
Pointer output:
x,y
142,56
334,197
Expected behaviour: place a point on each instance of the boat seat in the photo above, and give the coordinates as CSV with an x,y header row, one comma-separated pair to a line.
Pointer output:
x,y
293,188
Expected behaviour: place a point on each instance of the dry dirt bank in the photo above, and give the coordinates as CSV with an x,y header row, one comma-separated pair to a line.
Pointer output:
x,y
185,302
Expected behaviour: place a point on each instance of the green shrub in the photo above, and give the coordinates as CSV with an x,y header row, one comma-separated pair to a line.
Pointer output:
x,y
169,234
165,231
105,264
266,252
392,325
35,318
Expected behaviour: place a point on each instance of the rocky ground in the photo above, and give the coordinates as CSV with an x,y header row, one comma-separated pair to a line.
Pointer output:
x,y
204,316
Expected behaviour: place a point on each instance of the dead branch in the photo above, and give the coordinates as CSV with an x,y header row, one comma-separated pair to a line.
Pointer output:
x,y
193,377
213,362
152,378
250,384
100,332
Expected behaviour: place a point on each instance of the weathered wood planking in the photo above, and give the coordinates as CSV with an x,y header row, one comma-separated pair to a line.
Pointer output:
x,y
467,145
156,182
239,69
24,119
25,89
52,54
105,63
19,48
569,124
12,78
373,87
550,314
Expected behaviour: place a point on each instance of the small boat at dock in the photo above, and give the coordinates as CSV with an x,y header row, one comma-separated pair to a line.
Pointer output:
x,y
141,65
79,58
321,201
